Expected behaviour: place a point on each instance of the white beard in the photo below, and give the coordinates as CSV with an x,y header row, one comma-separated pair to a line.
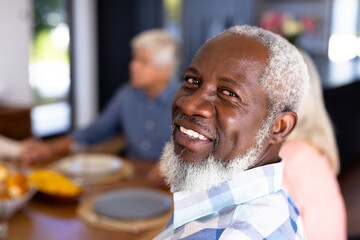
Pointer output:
x,y
211,172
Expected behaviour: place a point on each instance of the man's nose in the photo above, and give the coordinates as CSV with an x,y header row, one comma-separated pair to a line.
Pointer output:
x,y
197,104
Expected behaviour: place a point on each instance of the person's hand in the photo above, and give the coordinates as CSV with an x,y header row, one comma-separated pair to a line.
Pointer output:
x,y
34,151
156,177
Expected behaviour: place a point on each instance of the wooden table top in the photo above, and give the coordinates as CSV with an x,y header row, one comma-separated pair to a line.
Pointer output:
x,y
43,220
40,220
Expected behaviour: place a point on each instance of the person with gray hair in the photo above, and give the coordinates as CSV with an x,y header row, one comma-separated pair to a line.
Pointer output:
x,y
140,110
237,105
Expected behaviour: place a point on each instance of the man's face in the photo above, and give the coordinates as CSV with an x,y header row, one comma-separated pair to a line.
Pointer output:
x,y
220,107
142,68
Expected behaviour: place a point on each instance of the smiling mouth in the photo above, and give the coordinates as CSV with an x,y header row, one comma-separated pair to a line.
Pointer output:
x,y
192,134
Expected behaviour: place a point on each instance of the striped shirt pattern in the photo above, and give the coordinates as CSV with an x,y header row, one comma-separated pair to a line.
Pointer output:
x,y
253,205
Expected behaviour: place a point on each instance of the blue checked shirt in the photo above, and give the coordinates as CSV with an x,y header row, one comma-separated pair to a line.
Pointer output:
x,y
253,205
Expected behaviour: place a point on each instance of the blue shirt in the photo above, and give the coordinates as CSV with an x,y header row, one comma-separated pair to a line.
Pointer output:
x,y
253,205
145,123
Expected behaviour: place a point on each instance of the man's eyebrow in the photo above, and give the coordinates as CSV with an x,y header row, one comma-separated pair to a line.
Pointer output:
x,y
193,70
232,81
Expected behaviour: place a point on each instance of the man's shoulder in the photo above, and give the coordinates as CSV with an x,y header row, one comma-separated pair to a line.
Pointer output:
x,y
273,216
125,92
125,88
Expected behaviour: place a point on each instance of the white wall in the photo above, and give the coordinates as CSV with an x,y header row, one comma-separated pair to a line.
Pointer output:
x,y
15,35
85,64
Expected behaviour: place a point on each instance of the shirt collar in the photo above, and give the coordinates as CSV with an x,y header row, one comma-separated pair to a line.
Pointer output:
x,y
244,187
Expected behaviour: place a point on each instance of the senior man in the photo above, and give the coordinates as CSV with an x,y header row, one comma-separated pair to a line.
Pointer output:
x,y
140,110
236,106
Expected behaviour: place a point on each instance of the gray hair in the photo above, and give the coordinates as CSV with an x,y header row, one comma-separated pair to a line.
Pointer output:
x,y
285,79
165,49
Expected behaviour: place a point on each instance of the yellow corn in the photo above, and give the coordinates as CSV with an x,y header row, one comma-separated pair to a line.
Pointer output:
x,y
54,183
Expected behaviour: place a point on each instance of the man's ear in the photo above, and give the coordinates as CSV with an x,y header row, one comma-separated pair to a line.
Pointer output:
x,y
284,124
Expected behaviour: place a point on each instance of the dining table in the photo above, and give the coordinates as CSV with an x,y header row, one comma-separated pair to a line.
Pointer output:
x,y
51,220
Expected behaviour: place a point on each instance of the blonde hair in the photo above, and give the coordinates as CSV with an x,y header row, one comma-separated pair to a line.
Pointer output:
x,y
165,49
314,125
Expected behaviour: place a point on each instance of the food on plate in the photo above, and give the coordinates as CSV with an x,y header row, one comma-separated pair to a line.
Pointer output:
x,y
17,185
14,183
4,173
54,183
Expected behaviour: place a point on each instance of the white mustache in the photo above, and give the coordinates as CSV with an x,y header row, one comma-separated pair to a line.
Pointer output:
x,y
199,123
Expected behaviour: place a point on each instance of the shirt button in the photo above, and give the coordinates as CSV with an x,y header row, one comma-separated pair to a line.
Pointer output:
x,y
145,145
149,125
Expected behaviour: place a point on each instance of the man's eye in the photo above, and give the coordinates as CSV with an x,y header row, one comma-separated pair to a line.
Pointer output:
x,y
192,80
229,93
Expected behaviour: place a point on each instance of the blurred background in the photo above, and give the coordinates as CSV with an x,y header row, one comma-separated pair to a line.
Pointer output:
x,y
61,60
65,58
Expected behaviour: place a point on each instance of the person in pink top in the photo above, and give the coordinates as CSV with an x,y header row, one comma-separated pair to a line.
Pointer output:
x,y
311,165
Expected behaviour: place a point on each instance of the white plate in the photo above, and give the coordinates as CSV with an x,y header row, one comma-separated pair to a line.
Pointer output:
x,y
132,204
89,164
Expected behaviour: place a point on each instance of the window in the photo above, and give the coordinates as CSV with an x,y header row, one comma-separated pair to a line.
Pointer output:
x,y
49,68
344,43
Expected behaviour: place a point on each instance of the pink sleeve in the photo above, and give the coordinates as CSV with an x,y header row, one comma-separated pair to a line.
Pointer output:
x,y
315,190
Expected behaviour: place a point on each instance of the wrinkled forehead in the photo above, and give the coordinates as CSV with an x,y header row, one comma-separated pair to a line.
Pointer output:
x,y
238,46
233,54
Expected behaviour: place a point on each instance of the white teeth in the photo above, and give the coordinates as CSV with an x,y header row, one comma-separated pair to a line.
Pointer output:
x,y
192,133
